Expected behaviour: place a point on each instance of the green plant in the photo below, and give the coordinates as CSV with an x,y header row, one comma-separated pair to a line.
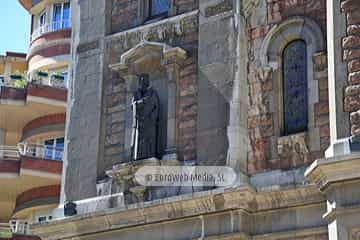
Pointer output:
x,y
5,235
20,83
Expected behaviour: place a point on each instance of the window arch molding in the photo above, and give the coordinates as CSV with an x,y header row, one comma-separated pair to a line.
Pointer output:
x,y
290,30
271,57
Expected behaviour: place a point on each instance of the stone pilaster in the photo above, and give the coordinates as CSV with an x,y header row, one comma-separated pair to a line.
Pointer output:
x,y
336,30
82,161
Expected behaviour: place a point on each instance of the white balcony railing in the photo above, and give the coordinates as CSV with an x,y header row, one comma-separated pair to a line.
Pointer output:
x,y
31,150
9,153
41,151
4,227
51,27
19,226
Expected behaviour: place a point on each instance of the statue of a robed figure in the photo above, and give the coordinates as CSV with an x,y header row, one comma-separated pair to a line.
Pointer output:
x,y
146,111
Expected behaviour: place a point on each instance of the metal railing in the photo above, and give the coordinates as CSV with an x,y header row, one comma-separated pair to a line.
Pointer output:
x,y
50,27
41,151
9,153
19,226
4,227
31,150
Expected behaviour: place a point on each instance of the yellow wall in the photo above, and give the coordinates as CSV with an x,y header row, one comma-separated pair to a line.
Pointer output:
x,y
17,65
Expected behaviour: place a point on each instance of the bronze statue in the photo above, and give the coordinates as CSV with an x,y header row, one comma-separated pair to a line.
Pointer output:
x,y
145,108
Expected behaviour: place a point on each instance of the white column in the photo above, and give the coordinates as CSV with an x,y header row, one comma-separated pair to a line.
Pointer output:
x,y
7,73
2,140
336,30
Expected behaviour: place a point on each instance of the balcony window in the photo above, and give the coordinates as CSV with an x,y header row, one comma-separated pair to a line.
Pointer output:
x,y
61,16
158,8
66,78
42,22
54,149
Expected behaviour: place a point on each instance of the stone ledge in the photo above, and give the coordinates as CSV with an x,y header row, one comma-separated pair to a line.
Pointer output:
x,y
326,171
244,199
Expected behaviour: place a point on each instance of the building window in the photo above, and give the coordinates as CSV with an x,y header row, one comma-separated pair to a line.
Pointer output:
x,y
42,22
158,8
66,78
295,97
54,149
61,16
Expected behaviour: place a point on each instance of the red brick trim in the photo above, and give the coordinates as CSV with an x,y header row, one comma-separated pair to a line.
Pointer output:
x,y
47,92
16,54
27,4
48,166
57,50
8,166
21,237
38,193
50,36
12,93
44,121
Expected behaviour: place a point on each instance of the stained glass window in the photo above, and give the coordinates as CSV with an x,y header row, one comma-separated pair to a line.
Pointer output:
x,y
158,7
295,88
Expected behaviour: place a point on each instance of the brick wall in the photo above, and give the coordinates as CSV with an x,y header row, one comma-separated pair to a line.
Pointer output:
x,y
124,13
267,150
183,6
279,10
351,54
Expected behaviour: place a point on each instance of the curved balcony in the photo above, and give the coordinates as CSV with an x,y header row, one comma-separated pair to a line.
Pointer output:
x,y
22,169
49,124
30,159
9,164
9,153
40,152
40,197
50,27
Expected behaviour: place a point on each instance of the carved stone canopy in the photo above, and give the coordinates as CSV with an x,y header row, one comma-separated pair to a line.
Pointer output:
x,y
147,56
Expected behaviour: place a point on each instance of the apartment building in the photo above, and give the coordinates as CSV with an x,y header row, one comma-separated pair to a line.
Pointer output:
x,y
33,101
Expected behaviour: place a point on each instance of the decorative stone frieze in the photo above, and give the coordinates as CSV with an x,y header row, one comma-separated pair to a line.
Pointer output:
x,y
293,149
242,203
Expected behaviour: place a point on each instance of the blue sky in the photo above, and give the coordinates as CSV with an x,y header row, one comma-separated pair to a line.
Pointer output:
x,y
15,27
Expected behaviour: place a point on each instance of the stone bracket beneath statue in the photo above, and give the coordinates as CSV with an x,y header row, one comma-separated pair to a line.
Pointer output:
x,y
124,174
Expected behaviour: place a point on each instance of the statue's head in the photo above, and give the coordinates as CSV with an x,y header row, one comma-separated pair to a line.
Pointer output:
x,y
144,82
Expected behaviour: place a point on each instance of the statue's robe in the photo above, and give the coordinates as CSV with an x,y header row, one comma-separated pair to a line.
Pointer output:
x,y
145,124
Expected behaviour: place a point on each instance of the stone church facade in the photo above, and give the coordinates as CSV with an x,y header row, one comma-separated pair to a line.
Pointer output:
x,y
269,88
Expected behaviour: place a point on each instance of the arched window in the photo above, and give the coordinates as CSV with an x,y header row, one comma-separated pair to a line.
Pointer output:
x,y
295,97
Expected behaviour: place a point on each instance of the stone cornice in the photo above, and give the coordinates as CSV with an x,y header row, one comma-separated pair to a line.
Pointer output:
x,y
243,198
326,171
